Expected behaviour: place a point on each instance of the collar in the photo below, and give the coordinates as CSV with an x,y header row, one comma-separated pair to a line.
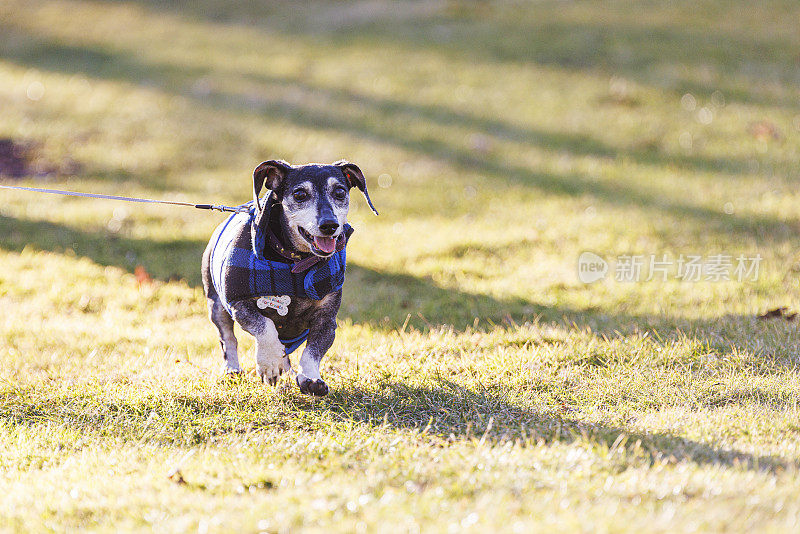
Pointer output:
x,y
264,236
301,263
341,242
276,245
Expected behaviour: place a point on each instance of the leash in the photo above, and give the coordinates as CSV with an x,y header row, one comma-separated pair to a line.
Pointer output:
x,y
237,209
300,264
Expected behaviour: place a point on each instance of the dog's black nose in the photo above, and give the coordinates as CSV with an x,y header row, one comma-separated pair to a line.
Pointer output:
x,y
329,226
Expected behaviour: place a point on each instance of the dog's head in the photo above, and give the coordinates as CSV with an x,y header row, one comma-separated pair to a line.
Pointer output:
x,y
314,200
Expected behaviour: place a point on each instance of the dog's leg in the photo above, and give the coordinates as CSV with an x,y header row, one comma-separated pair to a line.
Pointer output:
x,y
271,359
227,339
320,339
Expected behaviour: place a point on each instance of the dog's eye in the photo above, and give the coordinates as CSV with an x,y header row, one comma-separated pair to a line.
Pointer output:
x,y
300,195
340,193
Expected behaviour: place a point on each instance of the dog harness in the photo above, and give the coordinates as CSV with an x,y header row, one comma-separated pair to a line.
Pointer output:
x,y
241,268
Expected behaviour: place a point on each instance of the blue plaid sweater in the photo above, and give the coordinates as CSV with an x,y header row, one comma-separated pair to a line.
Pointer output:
x,y
240,269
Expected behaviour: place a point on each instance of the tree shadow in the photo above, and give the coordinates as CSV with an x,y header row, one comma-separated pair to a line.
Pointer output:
x,y
444,411
680,58
674,50
760,227
448,410
166,260
383,299
110,64
102,63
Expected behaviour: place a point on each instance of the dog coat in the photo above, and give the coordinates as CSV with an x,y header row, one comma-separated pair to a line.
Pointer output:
x,y
240,268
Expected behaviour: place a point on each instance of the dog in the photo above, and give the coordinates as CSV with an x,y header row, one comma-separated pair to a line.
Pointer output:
x,y
278,268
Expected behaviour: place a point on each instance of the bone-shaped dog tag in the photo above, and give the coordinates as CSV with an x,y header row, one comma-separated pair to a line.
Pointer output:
x,y
281,304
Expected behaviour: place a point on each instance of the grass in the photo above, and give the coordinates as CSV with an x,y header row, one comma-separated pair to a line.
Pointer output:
x,y
476,383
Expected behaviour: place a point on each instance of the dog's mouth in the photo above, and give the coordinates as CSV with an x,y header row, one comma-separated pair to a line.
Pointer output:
x,y
320,245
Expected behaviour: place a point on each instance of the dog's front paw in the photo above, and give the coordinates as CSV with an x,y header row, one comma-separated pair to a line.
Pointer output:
x,y
269,371
229,371
318,387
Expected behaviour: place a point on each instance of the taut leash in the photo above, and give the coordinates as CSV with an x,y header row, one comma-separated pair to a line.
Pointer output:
x,y
237,209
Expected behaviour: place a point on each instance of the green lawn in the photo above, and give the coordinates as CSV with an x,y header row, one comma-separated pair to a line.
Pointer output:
x,y
476,383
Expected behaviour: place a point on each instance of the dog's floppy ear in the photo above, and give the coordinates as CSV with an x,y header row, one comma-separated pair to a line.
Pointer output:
x,y
355,178
270,173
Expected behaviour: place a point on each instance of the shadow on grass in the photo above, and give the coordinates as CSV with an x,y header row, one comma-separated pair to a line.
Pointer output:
x,y
165,260
451,411
102,63
676,49
445,411
53,55
383,299
492,169
380,295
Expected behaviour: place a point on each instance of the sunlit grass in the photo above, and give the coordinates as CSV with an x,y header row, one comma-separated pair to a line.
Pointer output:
x,y
476,383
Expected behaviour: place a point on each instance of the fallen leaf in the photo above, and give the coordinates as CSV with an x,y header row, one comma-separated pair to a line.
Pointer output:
x,y
177,477
142,276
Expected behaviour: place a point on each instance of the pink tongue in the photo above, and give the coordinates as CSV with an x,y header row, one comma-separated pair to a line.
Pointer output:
x,y
325,244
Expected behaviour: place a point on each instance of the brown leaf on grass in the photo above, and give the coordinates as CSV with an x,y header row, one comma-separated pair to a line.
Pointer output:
x,y
177,477
764,131
779,313
142,276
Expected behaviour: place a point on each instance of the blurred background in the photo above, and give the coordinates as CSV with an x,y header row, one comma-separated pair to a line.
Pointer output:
x,y
500,140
